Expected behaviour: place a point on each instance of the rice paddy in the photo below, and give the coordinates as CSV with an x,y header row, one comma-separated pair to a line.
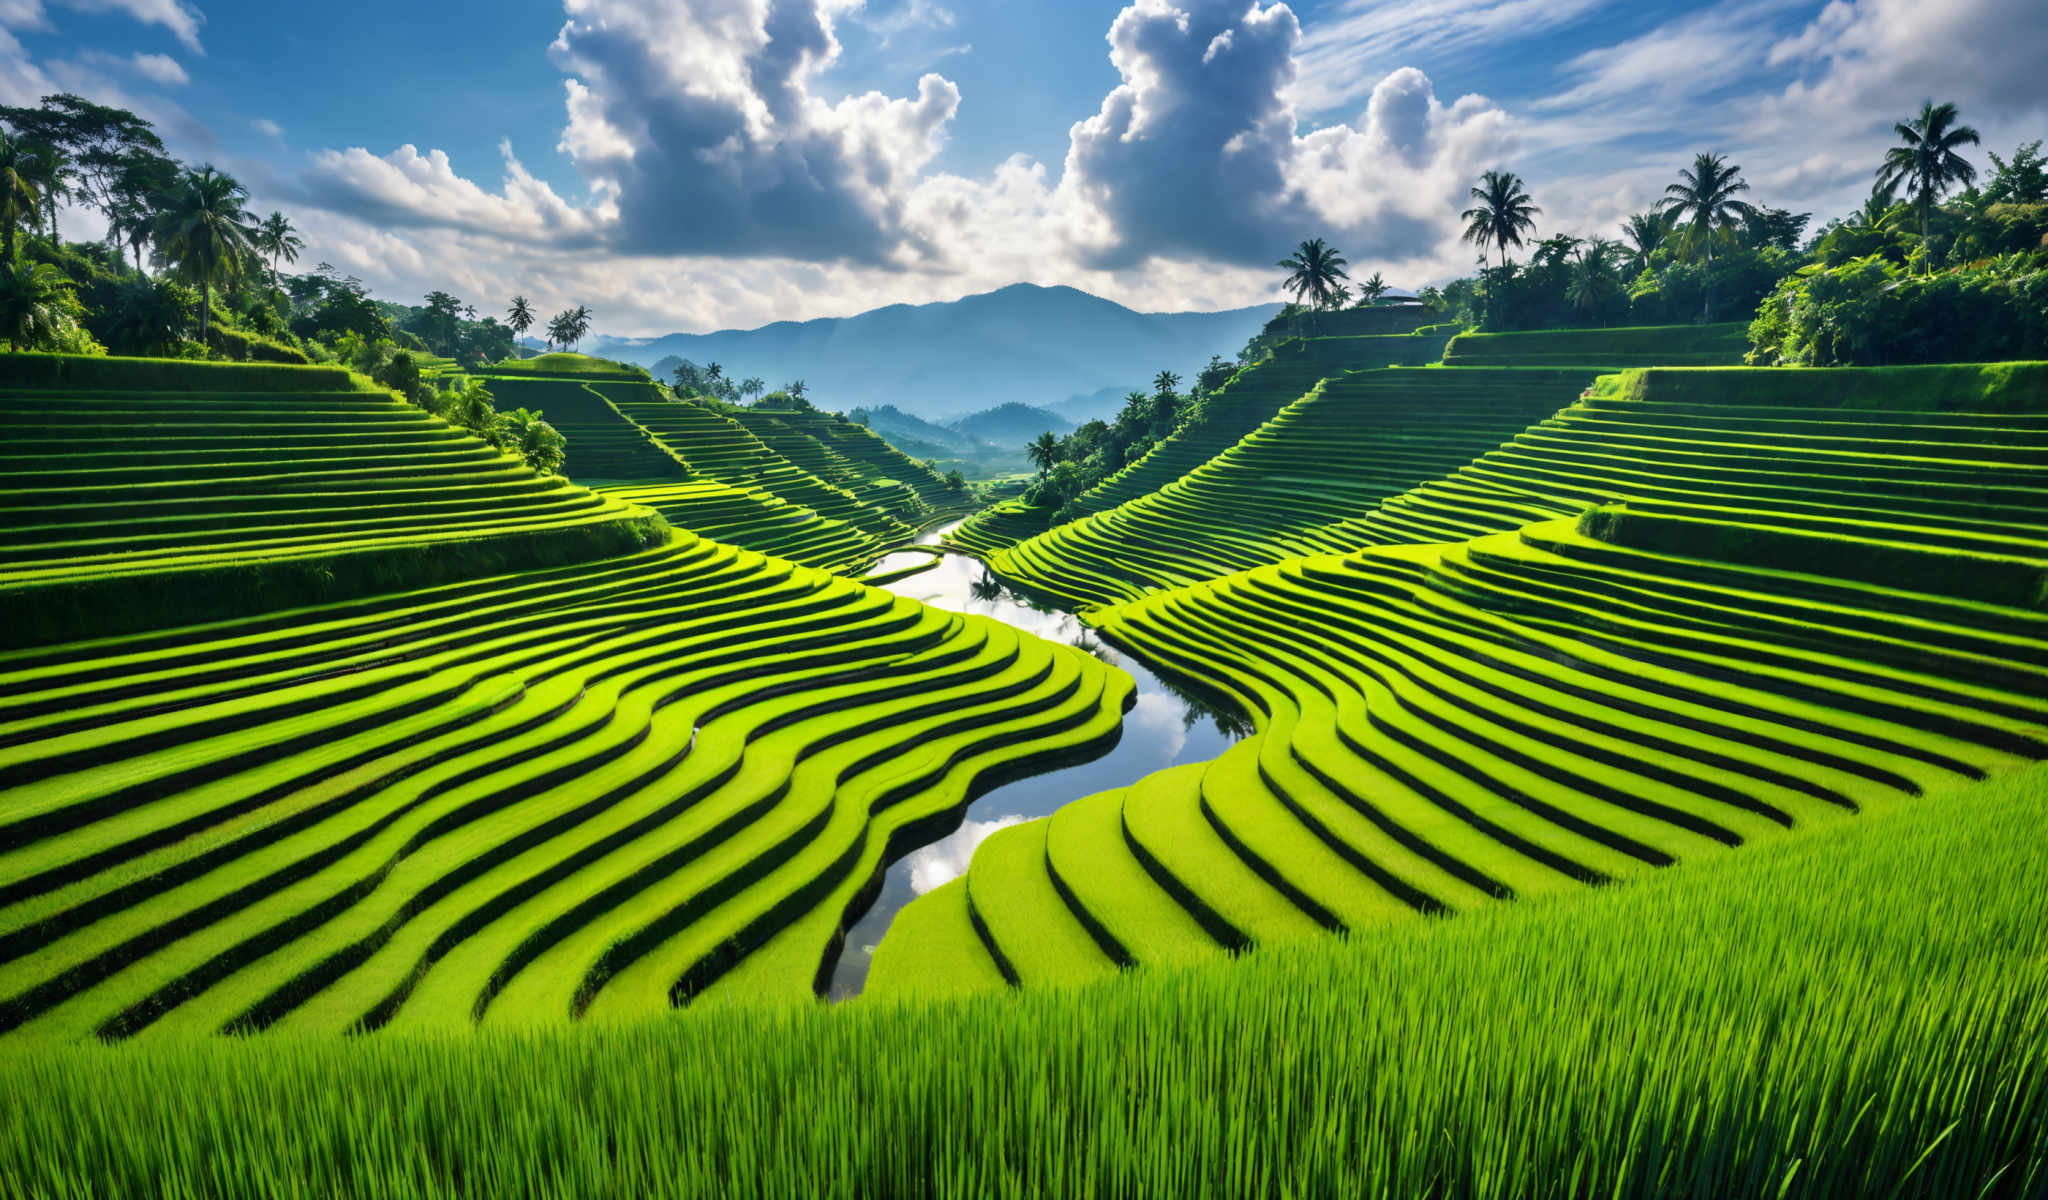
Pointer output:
x,y
524,781
580,792
1786,1021
1691,611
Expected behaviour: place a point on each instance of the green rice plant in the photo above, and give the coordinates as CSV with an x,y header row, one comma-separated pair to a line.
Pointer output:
x,y
590,793
1293,485
1794,613
1859,1012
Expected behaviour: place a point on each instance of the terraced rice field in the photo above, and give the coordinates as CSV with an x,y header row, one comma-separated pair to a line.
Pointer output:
x,y
758,520
602,446
1293,486
720,448
998,527
1248,401
1800,596
583,793
700,469
126,503
824,445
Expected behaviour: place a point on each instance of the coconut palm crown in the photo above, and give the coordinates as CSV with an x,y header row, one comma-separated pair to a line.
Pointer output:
x,y
1927,161
1501,214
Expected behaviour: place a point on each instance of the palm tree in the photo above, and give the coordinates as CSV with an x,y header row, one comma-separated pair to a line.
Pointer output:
x,y
1592,281
278,240
148,317
1502,212
753,387
519,317
1044,451
1645,232
17,187
205,235
1316,270
712,374
31,303
796,390
1928,162
1371,290
1704,198
562,329
52,174
1164,382
579,323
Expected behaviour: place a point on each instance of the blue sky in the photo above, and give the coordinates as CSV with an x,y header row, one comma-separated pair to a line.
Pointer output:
x,y
695,164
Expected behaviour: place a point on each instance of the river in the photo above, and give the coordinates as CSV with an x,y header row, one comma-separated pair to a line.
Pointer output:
x,y
1164,728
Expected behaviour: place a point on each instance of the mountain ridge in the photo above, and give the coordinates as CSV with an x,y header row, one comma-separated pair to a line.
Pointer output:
x,y
1022,344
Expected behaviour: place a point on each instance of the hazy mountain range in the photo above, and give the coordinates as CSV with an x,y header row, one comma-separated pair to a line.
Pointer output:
x,y
1021,344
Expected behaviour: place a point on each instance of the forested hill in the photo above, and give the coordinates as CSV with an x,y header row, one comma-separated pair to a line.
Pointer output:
x,y
1023,344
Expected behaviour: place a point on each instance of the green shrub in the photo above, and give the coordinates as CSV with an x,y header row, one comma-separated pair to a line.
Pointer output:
x,y
245,347
523,433
1871,312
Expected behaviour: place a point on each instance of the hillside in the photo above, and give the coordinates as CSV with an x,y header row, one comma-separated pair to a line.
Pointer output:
x,y
1716,607
1011,425
498,770
138,491
1021,344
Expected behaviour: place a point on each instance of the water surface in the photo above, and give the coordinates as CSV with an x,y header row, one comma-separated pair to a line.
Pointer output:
x,y
1165,727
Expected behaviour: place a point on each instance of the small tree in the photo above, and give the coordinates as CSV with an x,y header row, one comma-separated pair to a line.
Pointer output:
x,y
1928,162
1044,452
278,240
206,235
519,317
33,302
1316,271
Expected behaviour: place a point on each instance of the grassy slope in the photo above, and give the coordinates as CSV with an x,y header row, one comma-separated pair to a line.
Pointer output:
x,y
532,798
1863,1012
149,492
1798,608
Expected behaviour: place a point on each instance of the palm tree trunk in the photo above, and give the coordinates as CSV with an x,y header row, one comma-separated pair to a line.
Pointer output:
x,y
205,311
10,243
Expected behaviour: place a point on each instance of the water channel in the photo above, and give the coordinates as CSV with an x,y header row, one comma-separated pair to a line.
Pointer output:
x,y
1165,727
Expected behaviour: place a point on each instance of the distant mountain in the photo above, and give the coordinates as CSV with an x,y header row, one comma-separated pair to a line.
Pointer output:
x,y
918,437
1021,344
1098,405
1011,425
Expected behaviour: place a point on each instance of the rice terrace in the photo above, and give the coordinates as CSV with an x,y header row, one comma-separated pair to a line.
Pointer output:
x,y
1349,599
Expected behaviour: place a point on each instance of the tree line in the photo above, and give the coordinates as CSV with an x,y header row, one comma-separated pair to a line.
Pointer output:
x,y
1927,237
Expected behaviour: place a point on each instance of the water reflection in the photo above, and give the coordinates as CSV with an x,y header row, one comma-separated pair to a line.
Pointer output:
x,y
1168,725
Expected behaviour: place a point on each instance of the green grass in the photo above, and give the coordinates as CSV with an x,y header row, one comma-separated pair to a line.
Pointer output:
x,y
564,365
1862,1012
1634,346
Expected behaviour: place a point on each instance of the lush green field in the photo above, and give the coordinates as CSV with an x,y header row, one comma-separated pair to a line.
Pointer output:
x,y
1861,1012
1293,486
1800,609
799,498
150,492
1638,346
580,791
